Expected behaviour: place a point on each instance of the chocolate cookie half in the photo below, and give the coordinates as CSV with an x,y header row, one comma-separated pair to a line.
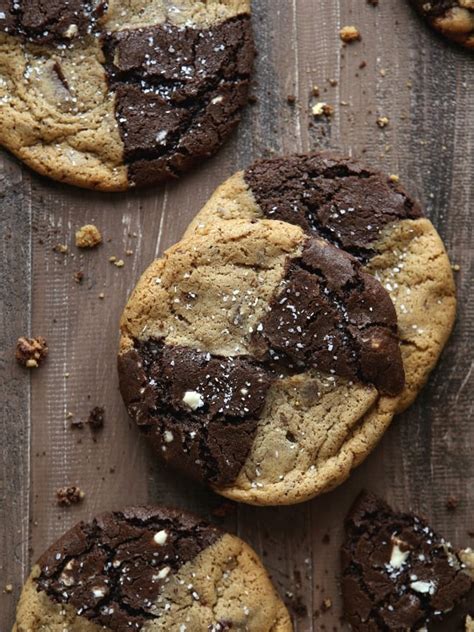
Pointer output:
x,y
149,569
369,215
108,95
452,18
398,574
260,360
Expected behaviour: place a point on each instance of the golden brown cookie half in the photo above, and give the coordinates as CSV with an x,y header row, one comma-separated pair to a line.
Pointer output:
x,y
109,95
261,360
369,215
452,18
149,569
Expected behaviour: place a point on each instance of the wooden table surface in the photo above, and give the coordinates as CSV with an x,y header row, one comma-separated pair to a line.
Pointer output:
x,y
426,89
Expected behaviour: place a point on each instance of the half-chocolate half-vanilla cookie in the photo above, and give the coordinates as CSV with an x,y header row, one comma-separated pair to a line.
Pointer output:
x,y
120,93
149,569
260,360
399,575
370,215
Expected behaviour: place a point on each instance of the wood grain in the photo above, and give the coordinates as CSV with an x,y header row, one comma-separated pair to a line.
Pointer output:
x,y
424,87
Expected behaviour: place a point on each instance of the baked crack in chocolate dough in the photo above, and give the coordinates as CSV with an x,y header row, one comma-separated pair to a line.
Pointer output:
x,y
149,569
261,361
398,574
369,215
452,18
109,95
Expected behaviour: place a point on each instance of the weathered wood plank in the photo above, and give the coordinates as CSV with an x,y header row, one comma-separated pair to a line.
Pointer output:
x,y
15,314
426,455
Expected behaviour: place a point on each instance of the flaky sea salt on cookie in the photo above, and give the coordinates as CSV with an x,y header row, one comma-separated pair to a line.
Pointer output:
x,y
260,360
398,574
111,95
149,569
368,214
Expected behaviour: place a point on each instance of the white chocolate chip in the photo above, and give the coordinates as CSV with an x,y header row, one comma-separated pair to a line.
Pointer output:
x,y
424,587
168,436
193,399
98,592
71,31
398,557
162,573
160,537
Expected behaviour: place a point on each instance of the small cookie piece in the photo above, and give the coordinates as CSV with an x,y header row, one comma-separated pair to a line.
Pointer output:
x,y
71,495
398,574
369,215
149,569
260,360
111,95
31,352
88,236
452,18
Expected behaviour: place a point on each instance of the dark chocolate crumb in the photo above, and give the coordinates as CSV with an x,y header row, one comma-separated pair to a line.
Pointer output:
x,y
96,418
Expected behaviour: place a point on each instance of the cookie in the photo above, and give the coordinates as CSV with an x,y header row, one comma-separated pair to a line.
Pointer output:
x,y
452,18
260,360
369,215
149,569
111,95
398,574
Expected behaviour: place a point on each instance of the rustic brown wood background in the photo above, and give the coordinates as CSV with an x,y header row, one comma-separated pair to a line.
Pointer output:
x,y
426,88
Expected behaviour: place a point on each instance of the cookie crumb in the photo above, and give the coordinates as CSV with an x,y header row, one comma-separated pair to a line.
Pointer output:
x,y
291,99
452,503
78,277
30,352
362,64
61,248
119,263
349,34
9,588
101,295
129,253
315,91
456,267
394,178
67,496
96,418
382,121
326,605
88,236
322,109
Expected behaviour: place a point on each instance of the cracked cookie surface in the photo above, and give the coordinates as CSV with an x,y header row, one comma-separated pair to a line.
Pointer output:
x,y
149,569
365,213
249,355
398,574
124,93
452,18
